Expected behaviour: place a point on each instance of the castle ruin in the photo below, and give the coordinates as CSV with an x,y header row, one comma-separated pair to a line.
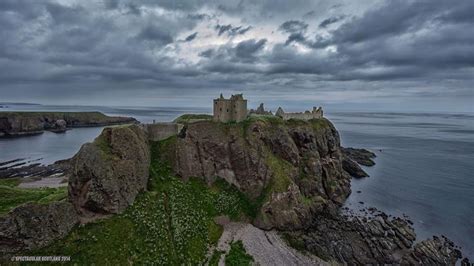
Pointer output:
x,y
307,115
233,109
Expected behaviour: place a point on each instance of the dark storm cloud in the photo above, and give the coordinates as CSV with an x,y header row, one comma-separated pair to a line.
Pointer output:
x,y
293,26
247,49
330,21
93,45
231,30
191,37
156,33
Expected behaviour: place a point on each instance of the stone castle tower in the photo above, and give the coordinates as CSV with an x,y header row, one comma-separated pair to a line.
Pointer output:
x,y
233,109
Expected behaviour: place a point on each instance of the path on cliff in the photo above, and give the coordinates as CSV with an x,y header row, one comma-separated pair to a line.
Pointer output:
x,y
266,247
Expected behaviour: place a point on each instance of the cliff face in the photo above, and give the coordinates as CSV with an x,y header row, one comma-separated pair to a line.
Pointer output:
x,y
34,225
28,123
292,169
107,175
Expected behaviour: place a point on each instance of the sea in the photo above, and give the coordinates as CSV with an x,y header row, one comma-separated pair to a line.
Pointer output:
x,y
424,165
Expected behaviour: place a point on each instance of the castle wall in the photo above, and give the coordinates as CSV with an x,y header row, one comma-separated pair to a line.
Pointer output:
x,y
315,114
233,109
240,110
160,131
223,110
302,116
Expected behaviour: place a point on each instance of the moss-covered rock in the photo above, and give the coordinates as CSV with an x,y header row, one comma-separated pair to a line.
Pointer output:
x,y
108,174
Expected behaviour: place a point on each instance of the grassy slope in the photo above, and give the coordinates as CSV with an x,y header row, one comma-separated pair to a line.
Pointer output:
x,y
192,117
172,223
11,196
237,255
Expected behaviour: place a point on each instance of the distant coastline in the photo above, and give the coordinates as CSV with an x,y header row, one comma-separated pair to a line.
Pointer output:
x,y
17,124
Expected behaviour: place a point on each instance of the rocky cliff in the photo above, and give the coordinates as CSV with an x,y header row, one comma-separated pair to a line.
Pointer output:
x,y
107,175
32,226
27,123
292,169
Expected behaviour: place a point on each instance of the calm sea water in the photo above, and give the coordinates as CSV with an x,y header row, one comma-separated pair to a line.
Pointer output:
x,y
424,166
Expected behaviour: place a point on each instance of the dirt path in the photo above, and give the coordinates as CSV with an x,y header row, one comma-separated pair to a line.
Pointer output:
x,y
266,247
52,182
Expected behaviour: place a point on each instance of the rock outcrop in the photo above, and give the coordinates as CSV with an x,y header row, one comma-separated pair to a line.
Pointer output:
x,y
374,240
14,124
352,168
107,175
292,168
361,156
34,226
351,158
433,251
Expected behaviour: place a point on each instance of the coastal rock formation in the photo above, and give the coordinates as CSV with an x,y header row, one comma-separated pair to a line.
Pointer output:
x,y
34,226
371,241
353,157
27,168
361,156
14,124
434,251
292,168
107,175
351,167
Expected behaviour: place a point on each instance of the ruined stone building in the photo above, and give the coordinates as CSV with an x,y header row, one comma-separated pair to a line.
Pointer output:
x,y
260,111
307,115
233,109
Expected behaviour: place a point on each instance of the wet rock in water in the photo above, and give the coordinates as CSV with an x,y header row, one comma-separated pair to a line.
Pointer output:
x,y
434,251
59,126
107,175
372,240
34,226
465,262
352,168
23,168
361,156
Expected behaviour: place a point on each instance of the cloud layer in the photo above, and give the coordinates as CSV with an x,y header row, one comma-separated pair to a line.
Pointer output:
x,y
147,50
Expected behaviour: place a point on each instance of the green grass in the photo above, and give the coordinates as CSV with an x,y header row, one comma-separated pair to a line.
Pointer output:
x,y
186,118
319,123
11,197
10,182
281,172
170,224
214,261
237,255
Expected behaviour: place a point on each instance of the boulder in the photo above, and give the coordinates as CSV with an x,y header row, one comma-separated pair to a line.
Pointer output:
x,y
107,175
34,226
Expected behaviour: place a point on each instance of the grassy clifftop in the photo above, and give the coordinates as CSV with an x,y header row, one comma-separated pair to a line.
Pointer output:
x,y
11,196
171,223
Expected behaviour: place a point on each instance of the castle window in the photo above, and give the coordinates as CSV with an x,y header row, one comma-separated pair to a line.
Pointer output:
x,y
221,109
227,110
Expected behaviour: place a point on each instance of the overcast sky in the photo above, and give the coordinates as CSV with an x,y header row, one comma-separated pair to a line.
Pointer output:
x,y
417,55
